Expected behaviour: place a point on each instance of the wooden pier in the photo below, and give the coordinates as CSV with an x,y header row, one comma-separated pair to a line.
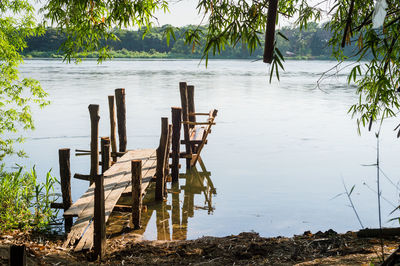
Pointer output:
x,y
128,172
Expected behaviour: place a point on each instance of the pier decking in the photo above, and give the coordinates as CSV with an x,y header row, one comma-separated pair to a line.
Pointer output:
x,y
117,180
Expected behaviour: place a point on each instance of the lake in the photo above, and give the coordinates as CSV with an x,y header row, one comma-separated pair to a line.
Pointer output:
x,y
276,157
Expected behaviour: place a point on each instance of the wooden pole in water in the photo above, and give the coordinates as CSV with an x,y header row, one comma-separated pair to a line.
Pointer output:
x,y
17,255
136,169
94,141
161,150
121,118
191,109
185,117
168,149
65,180
166,160
99,218
176,138
105,154
113,137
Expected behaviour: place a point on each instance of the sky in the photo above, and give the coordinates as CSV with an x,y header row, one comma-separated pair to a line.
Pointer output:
x,y
182,13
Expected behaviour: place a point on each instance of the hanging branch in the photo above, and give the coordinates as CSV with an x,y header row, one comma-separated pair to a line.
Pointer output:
x,y
348,24
270,31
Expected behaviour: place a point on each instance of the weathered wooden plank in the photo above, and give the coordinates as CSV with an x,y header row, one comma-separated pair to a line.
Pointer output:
x,y
148,171
115,170
83,207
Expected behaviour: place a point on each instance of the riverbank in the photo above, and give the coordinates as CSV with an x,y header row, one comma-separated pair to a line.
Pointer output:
x,y
125,54
246,248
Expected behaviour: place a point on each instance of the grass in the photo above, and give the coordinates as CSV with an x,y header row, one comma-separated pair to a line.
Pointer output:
x,y
24,202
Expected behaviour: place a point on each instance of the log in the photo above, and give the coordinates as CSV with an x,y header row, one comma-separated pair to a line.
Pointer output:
x,y
136,169
65,180
270,32
384,232
94,140
191,108
121,118
113,137
105,154
17,255
176,136
161,153
99,236
185,117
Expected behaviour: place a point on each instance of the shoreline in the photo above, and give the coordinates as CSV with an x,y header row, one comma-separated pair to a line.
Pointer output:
x,y
321,248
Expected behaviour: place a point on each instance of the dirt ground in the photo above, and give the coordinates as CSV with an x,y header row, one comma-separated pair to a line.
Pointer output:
x,y
326,248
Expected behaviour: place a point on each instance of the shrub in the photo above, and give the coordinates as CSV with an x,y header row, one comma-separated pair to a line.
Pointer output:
x,y
25,203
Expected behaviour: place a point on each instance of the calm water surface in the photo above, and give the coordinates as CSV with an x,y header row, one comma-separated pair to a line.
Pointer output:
x,y
276,157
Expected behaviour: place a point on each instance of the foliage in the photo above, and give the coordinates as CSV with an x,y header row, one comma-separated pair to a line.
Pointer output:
x,y
17,23
232,23
25,203
132,44
87,23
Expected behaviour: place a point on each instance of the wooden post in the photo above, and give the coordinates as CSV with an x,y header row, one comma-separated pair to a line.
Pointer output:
x,y
99,218
190,96
65,180
185,117
105,154
94,141
166,158
121,118
17,255
113,137
161,153
136,169
176,138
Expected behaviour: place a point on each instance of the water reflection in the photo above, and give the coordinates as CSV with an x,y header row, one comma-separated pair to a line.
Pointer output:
x,y
176,210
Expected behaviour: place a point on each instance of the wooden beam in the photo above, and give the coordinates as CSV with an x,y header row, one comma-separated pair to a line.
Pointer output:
x,y
57,205
94,140
136,169
193,141
161,153
176,136
105,154
113,137
185,117
65,181
99,236
197,123
191,108
166,156
191,114
121,118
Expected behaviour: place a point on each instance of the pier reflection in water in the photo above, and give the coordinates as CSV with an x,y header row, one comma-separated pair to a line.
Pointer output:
x,y
176,211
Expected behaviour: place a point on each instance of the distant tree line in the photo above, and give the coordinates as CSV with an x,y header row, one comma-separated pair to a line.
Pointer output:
x,y
309,43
